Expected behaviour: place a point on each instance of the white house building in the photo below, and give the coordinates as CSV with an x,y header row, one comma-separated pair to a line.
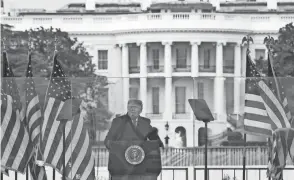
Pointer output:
x,y
170,51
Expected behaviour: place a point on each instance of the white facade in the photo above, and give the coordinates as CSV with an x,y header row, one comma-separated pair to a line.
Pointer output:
x,y
145,56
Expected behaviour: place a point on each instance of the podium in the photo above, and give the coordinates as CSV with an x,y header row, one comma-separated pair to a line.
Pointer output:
x,y
134,158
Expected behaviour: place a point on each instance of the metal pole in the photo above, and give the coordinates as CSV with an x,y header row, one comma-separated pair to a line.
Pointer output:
x,y
63,151
244,157
193,116
27,173
98,156
53,174
193,154
206,172
1,176
269,152
15,175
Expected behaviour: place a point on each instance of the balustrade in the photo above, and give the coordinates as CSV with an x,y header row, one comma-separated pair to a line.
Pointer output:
x,y
154,20
217,156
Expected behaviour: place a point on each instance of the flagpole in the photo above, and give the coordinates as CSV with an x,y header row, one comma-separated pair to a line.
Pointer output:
x,y
269,153
247,39
244,157
4,49
63,124
193,116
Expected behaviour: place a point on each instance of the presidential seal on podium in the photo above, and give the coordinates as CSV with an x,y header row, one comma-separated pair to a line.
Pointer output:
x,y
134,155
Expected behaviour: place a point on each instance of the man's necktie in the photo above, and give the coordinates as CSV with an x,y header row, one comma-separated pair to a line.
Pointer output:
x,y
135,123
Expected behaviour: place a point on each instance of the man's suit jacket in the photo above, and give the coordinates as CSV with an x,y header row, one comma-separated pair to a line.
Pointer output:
x,y
118,128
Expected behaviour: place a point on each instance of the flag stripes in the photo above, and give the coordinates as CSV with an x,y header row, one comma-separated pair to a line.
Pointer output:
x,y
290,143
274,108
256,120
16,149
278,88
34,118
50,128
79,159
33,122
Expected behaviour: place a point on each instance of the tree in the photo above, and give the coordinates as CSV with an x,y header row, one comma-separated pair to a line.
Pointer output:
x,y
283,50
283,61
73,56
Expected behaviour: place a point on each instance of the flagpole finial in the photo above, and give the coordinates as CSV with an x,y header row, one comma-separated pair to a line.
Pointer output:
x,y
30,42
4,43
247,39
55,43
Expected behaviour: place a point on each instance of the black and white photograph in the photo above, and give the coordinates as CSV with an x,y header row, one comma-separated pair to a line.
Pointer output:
x,y
147,90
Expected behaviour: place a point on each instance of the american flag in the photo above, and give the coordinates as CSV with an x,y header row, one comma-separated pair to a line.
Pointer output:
x,y
256,120
290,143
78,152
4,171
275,100
33,121
15,142
278,88
278,110
278,155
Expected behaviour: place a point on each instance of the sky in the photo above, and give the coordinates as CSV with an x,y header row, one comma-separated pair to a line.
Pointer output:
x,y
44,4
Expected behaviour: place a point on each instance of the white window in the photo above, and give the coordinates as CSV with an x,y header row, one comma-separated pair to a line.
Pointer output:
x,y
102,59
181,57
228,57
200,90
103,97
134,93
180,100
207,58
155,100
155,58
260,54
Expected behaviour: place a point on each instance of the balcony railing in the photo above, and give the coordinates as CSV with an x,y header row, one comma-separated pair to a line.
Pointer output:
x,y
221,156
228,69
135,22
203,68
155,69
181,116
181,68
154,116
134,69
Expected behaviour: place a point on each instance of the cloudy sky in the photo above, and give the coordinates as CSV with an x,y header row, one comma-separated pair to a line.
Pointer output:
x,y
47,4
43,4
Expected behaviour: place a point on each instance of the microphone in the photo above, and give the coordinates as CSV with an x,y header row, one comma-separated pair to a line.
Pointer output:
x,y
153,135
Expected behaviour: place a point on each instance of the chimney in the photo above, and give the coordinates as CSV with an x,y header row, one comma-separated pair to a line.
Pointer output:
x,y
90,5
272,4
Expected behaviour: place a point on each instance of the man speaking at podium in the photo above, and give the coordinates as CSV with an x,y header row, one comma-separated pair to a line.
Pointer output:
x,y
136,155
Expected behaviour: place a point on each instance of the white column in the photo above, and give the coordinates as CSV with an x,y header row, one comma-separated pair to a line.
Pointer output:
x,y
167,59
237,79
168,99
143,94
194,59
143,59
243,77
125,75
219,58
219,95
125,60
219,98
143,75
168,81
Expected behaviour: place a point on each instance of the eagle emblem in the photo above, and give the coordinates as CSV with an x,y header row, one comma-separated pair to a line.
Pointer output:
x,y
134,154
